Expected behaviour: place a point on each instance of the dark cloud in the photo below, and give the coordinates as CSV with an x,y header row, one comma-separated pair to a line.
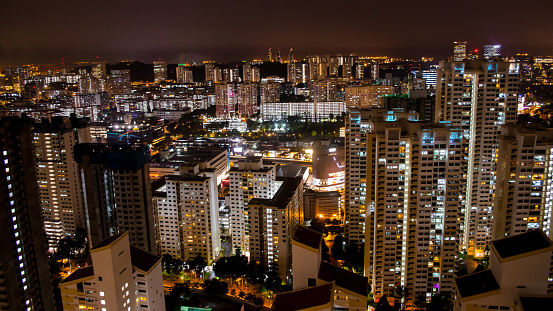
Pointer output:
x,y
46,31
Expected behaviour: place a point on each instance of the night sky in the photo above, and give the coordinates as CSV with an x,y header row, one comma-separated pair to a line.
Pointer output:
x,y
42,31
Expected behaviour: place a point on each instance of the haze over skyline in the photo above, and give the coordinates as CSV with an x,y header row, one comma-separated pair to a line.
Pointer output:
x,y
178,31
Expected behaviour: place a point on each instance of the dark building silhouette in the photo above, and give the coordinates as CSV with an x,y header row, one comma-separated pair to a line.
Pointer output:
x,y
24,272
117,192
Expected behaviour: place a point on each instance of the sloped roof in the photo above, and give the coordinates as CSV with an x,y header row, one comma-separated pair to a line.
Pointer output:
x,y
343,278
531,303
308,237
519,244
476,283
304,298
142,259
107,241
79,274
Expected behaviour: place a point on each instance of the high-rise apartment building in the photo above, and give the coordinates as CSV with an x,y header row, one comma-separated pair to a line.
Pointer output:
x,y
524,188
249,179
269,92
98,69
59,183
478,96
184,74
160,71
459,50
188,213
247,99
247,72
357,126
24,273
231,75
367,96
323,90
271,225
213,74
120,82
298,73
89,84
413,184
235,100
118,197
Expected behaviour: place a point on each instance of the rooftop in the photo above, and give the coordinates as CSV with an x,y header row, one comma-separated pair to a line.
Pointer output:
x,y
79,274
308,237
519,244
344,278
282,197
304,298
529,303
107,241
142,259
476,283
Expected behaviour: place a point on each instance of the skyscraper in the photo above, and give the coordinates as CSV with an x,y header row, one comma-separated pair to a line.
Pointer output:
x,y
478,96
116,185
459,50
24,273
58,177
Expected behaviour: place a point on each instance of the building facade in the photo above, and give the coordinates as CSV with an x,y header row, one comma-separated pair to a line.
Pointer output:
x,y
118,197
122,277
59,182
524,190
188,213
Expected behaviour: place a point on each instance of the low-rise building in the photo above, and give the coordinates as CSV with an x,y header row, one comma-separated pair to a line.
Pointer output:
x,y
122,277
520,265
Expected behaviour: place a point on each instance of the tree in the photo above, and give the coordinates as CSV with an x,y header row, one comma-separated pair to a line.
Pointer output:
x,y
383,304
317,224
273,281
181,290
400,292
171,265
231,267
441,302
325,250
237,251
215,286
354,258
420,302
337,249
198,263
254,298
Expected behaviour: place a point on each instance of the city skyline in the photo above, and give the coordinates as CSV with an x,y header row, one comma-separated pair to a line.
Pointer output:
x,y
224,31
